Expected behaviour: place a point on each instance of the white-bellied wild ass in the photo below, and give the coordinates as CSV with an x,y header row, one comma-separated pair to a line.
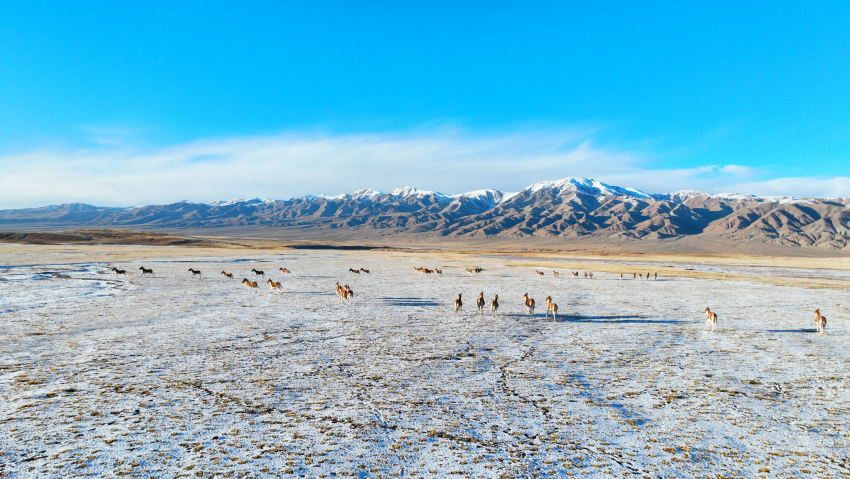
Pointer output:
x,y
355,271
285,271
556,274
539,273
480,303
119,271
529,304
347,294
363,270
227,275
820,321
710,319
146,271
458,304
258,273
551,308
195,272
251,285
274,287
494,305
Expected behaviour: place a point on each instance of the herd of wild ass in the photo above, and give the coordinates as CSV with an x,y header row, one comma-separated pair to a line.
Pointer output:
x,y
346,294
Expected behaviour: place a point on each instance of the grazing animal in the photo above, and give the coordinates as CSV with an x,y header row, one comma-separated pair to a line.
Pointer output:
x,y
227,275
251,285
365,271
494,305
480,303
556,274
146,271
274,287
711,319
529,304
551,308
356,271
285,271
195,272
539,273
458,304
119,271
820,321
258,273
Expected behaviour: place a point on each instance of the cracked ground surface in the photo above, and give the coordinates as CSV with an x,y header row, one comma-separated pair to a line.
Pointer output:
x,y
173,376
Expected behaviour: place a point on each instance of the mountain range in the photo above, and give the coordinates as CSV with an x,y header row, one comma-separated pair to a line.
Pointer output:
x,y
564,209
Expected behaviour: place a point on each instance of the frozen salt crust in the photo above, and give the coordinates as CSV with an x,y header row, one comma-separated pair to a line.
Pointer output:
x,y
170,376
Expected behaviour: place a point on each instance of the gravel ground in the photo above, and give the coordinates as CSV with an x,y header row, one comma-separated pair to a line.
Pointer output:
x,y
173,376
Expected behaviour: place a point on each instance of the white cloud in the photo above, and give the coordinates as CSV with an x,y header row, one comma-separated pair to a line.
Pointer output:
x,y
285,166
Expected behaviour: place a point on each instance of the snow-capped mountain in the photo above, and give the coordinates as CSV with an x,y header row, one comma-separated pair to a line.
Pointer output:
x,y
567,208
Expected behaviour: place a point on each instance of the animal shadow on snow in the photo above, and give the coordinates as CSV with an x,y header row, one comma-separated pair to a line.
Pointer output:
x,y
803,330
409,302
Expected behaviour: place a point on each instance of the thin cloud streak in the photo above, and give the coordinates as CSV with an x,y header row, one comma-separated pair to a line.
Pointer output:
x,y
286,166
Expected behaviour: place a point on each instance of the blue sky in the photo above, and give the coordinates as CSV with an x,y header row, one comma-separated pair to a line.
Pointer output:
x,y
652,95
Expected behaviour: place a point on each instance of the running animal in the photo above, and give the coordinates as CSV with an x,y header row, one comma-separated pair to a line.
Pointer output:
x,y
551,308
251,285
591,274
529,304
274,287
820,321
539,273
119,271
258,273
347,294
356,271
438,271
227,275
710,319
146,271
494,305
555,273
195,272
480,303
458,304
365,271
285,271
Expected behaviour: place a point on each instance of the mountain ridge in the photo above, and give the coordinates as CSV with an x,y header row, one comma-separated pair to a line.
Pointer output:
x,y
572,207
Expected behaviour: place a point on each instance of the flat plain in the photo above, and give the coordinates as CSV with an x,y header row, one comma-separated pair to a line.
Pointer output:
x,y
106,375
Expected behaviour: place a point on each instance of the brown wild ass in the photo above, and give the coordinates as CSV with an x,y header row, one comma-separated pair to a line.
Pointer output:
x,y
820,321
251,285
710,319
551,308
274,287
529,304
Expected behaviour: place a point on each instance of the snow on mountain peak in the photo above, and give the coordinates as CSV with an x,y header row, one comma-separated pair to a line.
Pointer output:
x,y
585,185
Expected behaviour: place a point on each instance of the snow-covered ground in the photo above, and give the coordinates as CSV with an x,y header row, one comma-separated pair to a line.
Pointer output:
x,y
171,376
